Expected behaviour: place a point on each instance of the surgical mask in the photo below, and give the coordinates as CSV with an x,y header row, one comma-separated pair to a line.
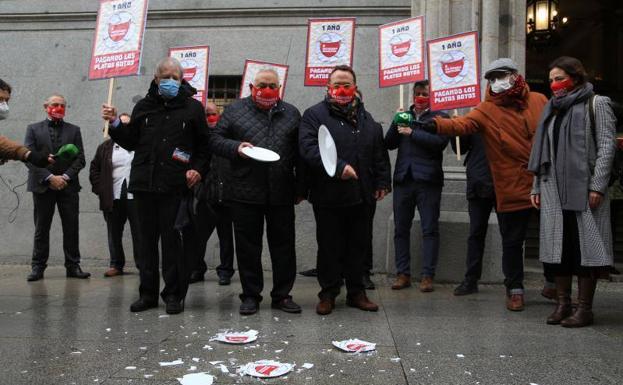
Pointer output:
x,y
213,120
342,95
498,86
56,112
4,110
265,98
168,88
562,87
421,102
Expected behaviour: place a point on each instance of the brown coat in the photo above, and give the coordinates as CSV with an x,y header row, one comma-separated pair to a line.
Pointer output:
x,y
11,150
508,134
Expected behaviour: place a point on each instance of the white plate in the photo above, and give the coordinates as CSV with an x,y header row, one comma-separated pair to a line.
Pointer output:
x,y
328,151
261,154
236,337
266,369
355,345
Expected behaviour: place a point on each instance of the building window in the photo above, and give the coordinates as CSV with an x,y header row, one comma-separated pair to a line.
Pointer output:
x,y
223,90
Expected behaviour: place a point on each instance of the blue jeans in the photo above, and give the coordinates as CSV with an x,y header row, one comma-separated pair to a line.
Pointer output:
x,y
408,195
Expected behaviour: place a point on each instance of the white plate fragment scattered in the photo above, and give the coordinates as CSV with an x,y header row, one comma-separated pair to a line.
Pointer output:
x,y
355,346
460,356
172,363
130,368
266,369
196,379
307,365
236,337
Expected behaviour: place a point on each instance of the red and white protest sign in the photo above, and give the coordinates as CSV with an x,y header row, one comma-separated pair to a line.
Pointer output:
x,y
195,62
252,67
401,52
329,43
118,39
454,71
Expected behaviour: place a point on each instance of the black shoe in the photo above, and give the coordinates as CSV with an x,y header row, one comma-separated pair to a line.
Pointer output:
x,y
309,273
35,275
249,306
466,288
367,282
173,306
224,280
196,276
76,272
142,305
286,305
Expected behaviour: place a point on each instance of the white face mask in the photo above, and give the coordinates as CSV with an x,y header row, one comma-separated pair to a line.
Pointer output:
x,y
4,110
500,85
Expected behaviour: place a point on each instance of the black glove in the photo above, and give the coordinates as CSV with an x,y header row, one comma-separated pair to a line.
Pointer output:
x,y
39,159
430,127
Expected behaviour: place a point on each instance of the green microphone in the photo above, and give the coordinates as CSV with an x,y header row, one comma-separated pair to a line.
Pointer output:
x,y
67,153
403,119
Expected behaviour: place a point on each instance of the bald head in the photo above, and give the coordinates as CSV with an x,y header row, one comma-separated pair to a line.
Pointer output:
x,y
211,109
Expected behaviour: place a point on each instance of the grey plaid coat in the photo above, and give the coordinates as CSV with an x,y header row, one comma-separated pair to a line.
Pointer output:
x,y
593,225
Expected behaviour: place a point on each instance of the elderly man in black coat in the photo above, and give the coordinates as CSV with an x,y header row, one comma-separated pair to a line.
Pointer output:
x,y
168,134
343,203
261,191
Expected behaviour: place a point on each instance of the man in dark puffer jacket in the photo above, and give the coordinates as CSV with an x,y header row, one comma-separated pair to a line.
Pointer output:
x,y
259,191
168,134
343,203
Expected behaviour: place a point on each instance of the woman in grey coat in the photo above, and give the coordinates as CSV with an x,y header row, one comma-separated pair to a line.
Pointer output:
x,y
572,159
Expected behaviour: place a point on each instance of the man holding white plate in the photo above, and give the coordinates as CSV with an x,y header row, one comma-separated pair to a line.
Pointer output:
x,y
259,134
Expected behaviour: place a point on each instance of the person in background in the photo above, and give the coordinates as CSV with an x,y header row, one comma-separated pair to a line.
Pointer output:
x,y
261,192
216,185
572,160
418,181
343,203
169,136
55,186
109,175
480,201
507,119
10,150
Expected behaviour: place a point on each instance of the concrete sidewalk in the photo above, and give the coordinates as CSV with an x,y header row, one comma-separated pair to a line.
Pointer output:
x,y
60,331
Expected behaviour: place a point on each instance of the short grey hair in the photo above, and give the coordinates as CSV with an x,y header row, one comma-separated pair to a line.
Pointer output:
x,y
168,62
47,100
269,70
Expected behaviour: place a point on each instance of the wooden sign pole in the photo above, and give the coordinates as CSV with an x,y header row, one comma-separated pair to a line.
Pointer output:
x,y
458,142
111,87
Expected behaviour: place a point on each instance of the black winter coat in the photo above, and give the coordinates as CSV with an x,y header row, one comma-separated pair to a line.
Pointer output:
x,y
421,153
361,147
479,182
157,129
251,181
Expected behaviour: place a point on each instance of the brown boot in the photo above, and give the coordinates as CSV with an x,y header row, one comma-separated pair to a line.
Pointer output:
x,y
325,306
113,272
563,293
583,315
361,302
514,302
426,284
402,281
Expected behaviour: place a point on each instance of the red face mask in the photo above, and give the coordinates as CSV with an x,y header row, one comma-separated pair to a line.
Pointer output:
x,y
265,98
56,113
421,102
212,120
562,87
342,95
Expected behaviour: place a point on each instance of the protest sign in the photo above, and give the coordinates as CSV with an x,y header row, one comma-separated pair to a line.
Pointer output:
x,y
329,43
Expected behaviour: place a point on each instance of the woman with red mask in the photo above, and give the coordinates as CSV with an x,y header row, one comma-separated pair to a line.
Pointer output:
x,y
571,159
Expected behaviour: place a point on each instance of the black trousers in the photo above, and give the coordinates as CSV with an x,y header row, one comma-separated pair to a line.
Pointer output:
x,y
368,263
249,229
513,228
157,213
68,204
225,232
343,235
123,210
479,212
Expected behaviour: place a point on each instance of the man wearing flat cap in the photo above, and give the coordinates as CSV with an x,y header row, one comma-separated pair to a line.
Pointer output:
x,y
507,120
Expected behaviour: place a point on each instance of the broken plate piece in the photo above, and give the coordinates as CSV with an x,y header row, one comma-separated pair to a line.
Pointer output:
x,y
236,337
355,346
266,369
196,379
172,363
